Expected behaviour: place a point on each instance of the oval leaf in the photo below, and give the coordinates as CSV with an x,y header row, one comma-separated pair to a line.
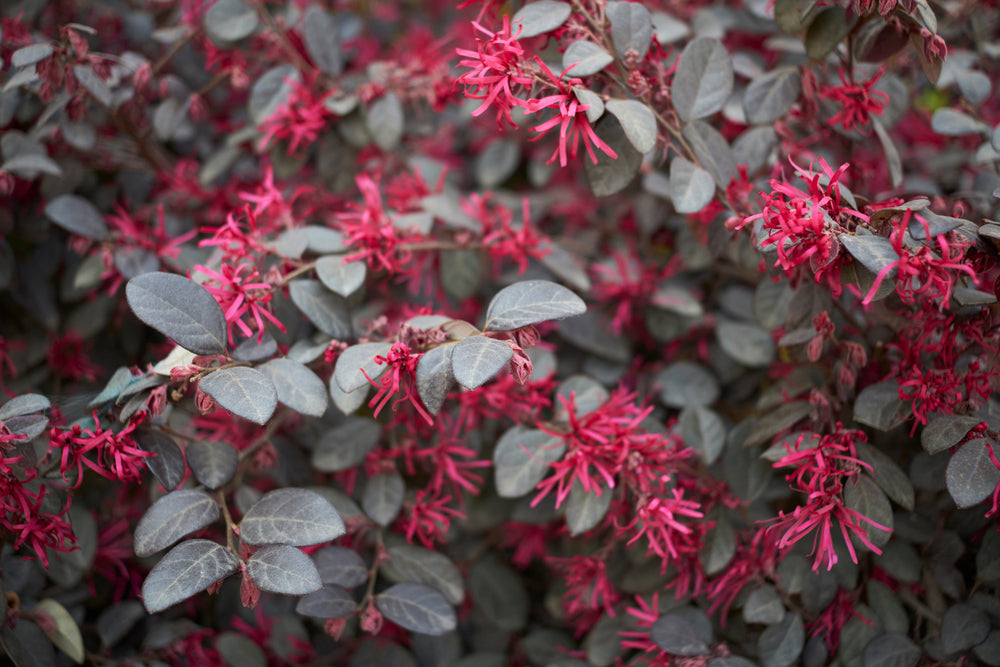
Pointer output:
x,y
945,432
63,631
213,463
865,497
78,216
343,278
435,377
25,404
769,97
892,650
585,58
297,386
296,517
172,517
971,475
357,358
687,384
631,28
326,310
385,119
879,406
280,568
530,302
636,119
331,601
746,343
345,446
703,80
477,359
584,510
681,633
188,568
539,17
383,497
180,309
323,40
245,392
340,566
230,21
410,563
781,644
691,187
417,608
521,460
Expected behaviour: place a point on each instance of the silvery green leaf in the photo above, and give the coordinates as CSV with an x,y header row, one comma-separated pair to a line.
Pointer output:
x,y
497,162
595,105
963,626
357,358
712,151
461,271
212,463
691,187
180,309
703,80
539,17
585,510
631,28
23,405
346,445
270,91
764,605
864,496
94,84
888,475
610,175
31,54
945,432
297,386
879,406
172,517
704,431
637,119
681,632
331,601
230,21
434,377
894,649
477,359
410,563
874,252
246,392
30,165
498,592
188,568
687,384
325,309
343,278
769,97
585,58
280,568
953,123
62,631
77,215
971,475
530,302
296,517
383,497
781,644
237,649
417,608
322,39
340,566
384,119
746,343
521,460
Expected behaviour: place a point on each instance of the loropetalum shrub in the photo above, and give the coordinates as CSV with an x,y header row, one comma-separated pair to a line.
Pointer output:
x,y
564,333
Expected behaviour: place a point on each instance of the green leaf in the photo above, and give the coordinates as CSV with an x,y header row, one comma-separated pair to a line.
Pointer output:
x,y
611,175
340,566
536,18
682,632
180,309
637,120
892,650
712,151
244,391
585,58
781,644
962,627
435,377
230,21
461,272
357,358
322,39
719,546
764,605
703,80
769,96
498,592
704,431
888,475
953,123
585,510
594,102
865,497
946,431
168,465
326,310
530,302
631,28
345,445
477,359
76,215
297,386
297,517
172,517
521,460
879,406
331,601
385,119
188,568
691,187
687,384
280,568
270,91
212,463
24,404
383,497
410,563
747,344
340,277
971,475
63,631
826,31
417,608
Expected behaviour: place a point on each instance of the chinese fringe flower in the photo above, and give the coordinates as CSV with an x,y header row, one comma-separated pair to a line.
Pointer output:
x,y
858,102
821,474
402,367
239,296
300,120
116,455
496,70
